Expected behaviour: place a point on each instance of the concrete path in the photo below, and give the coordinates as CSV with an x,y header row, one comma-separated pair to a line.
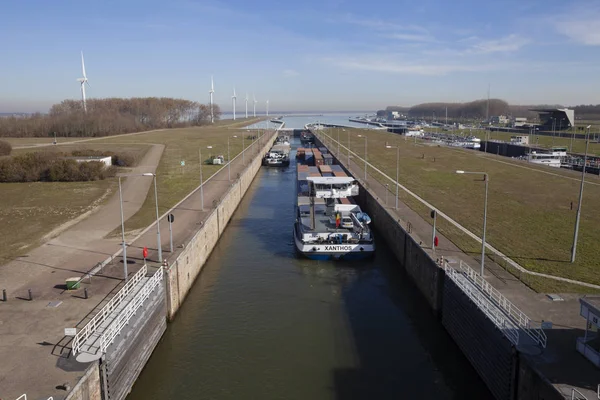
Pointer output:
x,y
86,237
33,342
559,362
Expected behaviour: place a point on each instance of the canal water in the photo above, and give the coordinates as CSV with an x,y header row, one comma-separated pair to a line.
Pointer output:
x,y
262,323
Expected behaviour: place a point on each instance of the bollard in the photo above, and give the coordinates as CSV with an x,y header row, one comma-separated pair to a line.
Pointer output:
x,y
4,295
30,295
85,293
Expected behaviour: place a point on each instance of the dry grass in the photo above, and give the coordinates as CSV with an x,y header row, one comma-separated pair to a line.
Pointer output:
x,y
29,211
529,215
174,181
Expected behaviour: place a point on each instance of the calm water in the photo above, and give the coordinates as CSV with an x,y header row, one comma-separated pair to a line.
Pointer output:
x,y
261,323
298,122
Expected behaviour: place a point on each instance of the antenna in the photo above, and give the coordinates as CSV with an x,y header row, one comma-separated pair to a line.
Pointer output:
x,y
487,111
210,92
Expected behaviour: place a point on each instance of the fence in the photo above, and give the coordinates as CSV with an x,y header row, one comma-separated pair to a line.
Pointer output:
x,y
498,307
91,327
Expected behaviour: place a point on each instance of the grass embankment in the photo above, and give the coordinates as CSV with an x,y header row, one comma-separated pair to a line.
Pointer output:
x,y
29,211
529,211
175,181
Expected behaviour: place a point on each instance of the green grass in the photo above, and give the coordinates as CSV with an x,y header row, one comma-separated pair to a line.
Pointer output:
x,y
529,215
29,211
174,182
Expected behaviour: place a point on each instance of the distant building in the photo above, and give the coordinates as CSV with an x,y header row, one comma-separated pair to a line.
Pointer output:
x,y
107,161
519,139
500,119
555,118
519,122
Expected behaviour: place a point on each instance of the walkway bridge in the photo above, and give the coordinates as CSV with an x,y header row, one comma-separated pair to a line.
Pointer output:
x,y
91,342
517,327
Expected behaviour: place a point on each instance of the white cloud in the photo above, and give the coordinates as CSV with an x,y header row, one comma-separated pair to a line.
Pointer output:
x,y
289,73
381,25
410,37
510,43
400,67
585,30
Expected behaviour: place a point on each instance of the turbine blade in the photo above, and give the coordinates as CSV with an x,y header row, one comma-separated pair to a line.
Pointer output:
x,y
83,66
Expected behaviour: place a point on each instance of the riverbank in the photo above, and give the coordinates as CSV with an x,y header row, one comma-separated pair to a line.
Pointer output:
x,y
43,349
518,372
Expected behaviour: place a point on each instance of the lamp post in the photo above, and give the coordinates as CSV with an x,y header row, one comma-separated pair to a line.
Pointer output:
x,y
348,149
486,178
365,137
123,220
387,146
574,248
244,149
553,129
201,180
160,259
229,157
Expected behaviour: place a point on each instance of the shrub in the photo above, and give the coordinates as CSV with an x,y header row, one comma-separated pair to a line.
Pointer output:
x,y
5,148
42,166
124,160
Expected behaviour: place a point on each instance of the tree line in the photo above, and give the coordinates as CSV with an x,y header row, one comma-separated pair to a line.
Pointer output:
x,y
111,116
478,110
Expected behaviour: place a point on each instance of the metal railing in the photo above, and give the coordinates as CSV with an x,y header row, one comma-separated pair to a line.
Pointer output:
x,y
522,320
91,327
24,397
577,395
509,328
518,317
124,316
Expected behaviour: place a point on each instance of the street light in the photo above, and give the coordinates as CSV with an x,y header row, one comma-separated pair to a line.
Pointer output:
x,y
201,182
486,178
387,146
123,220
228,157
364,137
574,248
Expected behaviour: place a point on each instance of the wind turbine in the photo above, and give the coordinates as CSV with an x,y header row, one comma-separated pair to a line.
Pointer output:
x,y
233,100
246,104
267,108
83,81
211,92
254,108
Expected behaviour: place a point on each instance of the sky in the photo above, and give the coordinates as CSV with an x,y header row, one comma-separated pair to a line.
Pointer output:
x,y
311,55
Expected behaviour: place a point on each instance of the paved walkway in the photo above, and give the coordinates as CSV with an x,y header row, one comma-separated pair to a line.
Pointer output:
x,y
33,344
559,362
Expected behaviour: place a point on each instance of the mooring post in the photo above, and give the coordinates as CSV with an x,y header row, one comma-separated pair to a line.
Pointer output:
x,y
4,295
30,295
85,293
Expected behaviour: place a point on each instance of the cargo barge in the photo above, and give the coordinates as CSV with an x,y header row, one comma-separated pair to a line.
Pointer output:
x,y
279,155
329,224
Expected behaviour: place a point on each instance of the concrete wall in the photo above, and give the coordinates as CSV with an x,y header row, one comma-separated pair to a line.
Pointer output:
x,y
423,270
532,385
485,346
88,387
506,373
181,273
128,353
